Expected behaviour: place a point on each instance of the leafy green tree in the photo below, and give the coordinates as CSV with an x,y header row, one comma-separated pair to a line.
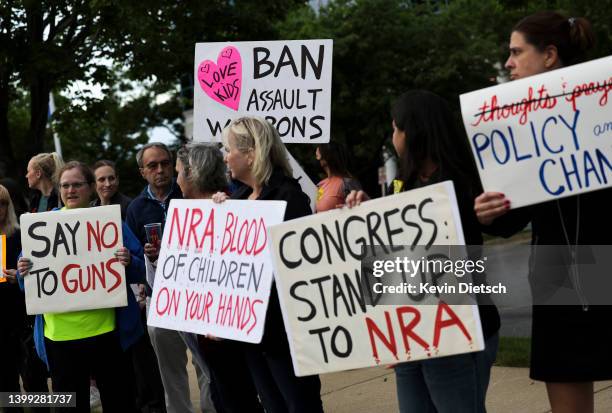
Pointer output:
x,y
385,47
43,46
48,45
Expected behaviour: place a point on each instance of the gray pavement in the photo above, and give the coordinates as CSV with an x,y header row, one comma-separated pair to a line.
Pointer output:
x,y
373,390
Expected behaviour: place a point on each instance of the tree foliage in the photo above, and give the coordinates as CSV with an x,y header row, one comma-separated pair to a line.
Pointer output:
x,y
385,47
381,48
49,45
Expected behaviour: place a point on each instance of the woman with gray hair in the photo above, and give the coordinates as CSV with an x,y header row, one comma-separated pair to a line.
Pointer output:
x,y
201,171
200,174
256,157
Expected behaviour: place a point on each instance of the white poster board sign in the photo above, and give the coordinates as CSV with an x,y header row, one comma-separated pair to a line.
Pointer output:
x,y
546,136
308,187
214,272
288,82
317,272
74,263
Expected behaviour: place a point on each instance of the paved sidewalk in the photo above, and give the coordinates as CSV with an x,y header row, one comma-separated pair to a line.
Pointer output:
x,y
373,390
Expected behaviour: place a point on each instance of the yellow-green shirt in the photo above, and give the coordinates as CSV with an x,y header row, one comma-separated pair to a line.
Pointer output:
x,y
76,325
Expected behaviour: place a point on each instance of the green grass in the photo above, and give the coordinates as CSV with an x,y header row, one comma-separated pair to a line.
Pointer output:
x,y
513,352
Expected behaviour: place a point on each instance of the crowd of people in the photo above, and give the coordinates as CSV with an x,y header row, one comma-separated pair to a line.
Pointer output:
x,y
144,369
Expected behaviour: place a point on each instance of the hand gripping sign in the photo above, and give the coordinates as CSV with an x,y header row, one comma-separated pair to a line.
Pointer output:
x,y
546,136
214,272
74,263
3,257
317,262
288,82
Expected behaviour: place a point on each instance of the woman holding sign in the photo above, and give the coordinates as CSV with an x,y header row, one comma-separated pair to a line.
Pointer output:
x,y
78,344
11,299
431,150
257,158
15,325
200,174
539,43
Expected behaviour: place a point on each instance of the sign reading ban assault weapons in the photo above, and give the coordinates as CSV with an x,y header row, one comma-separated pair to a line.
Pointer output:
x,y
74,263
318,271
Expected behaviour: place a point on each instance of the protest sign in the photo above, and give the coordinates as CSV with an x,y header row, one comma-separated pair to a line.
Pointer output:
x,y
74,263
317,271
214,272
2,257
308,187
546,136
288,82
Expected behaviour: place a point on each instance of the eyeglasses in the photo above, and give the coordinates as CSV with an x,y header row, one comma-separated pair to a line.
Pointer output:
x,y
76,185
152,166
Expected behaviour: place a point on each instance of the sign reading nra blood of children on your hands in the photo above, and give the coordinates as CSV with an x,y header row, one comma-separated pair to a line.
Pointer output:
x,y
317,271
214,272
287,82
73,257
546,136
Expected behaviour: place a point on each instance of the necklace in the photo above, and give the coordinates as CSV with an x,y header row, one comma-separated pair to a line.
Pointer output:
x,y
573,250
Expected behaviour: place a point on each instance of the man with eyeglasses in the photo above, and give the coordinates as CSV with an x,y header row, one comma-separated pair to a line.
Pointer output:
x,y
155,163
156,167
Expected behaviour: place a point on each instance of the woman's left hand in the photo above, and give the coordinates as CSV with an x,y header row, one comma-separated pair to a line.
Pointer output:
x,y
123,255
10,275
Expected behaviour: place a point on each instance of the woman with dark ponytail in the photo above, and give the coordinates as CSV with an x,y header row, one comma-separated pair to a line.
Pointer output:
x,y
570,347
431,149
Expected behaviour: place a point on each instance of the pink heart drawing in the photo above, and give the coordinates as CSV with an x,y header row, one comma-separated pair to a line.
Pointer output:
x,y
222,81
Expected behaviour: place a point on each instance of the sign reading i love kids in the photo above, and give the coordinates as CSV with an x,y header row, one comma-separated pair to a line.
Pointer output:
x,y
286,82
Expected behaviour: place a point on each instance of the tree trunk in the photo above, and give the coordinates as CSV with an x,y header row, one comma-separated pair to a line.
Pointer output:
x,y
39,82
39,110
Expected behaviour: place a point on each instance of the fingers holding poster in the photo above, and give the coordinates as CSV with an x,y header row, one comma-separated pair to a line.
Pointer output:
x,y
545,136
74,262
2,257
214,272
328,316
287,82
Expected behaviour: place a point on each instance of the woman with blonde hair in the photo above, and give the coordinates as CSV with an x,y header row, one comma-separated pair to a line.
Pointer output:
x,y
41,176
11,299
14,324
256,157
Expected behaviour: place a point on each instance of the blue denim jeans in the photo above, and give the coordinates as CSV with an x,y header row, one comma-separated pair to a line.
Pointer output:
x,y
455,384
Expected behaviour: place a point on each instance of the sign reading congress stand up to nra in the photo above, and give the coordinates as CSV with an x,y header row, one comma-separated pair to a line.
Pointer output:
x,y
287,82
318,271
546,136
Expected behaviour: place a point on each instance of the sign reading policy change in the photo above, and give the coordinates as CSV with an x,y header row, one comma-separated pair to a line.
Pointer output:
x,y
73,257
287,82
214,272
329,320
546,136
